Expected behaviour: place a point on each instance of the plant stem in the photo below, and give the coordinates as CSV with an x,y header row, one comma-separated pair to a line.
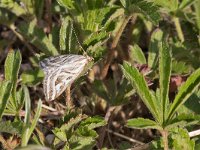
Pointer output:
x,y
165,139
113,46
178,29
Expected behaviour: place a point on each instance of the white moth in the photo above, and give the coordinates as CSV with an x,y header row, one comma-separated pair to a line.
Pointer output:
x,y
60,72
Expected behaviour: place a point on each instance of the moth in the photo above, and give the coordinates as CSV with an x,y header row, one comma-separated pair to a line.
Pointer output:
x,y
60,72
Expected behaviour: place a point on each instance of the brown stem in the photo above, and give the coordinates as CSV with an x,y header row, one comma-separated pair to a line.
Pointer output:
x,y
13,28
103,129
165,139
69,103
48,15
113,47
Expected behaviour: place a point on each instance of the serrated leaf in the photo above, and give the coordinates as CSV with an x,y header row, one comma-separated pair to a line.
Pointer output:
x,y
38,38
64,32
137,55
148,9
183,120
185,91
185,3
154,47
32,77
86,132
165,73
138,81
93,122
81,143
10,127
141,123
181,140
6,87
12,65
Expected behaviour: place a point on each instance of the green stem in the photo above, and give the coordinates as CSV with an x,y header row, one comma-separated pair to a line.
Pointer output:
x,y
178,28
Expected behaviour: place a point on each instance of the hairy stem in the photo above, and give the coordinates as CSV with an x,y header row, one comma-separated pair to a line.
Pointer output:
x,y
165,139
113,46
178,28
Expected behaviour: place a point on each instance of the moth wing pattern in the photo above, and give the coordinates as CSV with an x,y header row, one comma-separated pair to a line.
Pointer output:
x,y
60,72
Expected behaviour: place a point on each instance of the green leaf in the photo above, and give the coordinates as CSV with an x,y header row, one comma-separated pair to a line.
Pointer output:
x,y
6,87
138,81
141,123
38,38
154,48
67,3
32,77
181,140
10,127
13,6
165,73
93,122
65,31
12,65
148,9
137,55
185,91
185,3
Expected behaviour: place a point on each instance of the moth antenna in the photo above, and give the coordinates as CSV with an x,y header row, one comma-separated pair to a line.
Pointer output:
x,y
84,52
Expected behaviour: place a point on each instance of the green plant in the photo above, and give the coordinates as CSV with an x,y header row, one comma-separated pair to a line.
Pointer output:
x,y
158,102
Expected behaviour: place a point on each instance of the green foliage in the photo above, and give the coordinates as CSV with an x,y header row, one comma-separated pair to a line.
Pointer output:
x,y
32,77
5,92
141,123
138,81
148,9
137,55
78,132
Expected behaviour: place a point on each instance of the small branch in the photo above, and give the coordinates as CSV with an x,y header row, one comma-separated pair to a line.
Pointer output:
x,y
113,47
178,29
194,133
103,129
12,27
125,137
69,103
48,15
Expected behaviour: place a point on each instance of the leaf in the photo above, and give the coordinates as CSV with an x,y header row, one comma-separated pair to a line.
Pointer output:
x,y
141,123
137,54
185,3
66,128
10,127
138,81
6,87
148,9
165,73
185,91
38,38
12,65
180,140
93,122
32,77
154,48
183,120
13,6
64,32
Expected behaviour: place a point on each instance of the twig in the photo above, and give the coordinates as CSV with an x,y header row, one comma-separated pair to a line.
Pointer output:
x,y
103,129
48,108
113,47
125,137
12,27
69,103
194,133
48,15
